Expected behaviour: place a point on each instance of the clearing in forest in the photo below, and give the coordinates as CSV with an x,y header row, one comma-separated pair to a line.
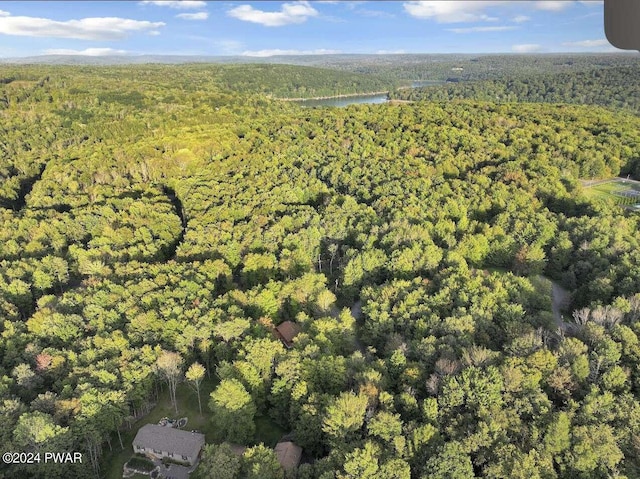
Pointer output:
x,y
625,192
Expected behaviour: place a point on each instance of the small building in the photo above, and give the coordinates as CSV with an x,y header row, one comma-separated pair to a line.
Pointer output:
x,y
286,332
160,441
237,449
289,455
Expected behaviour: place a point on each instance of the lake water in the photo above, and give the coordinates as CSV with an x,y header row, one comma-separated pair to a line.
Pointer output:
x,y
350,100
372,99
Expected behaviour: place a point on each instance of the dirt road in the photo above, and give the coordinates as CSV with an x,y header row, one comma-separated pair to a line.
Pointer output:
x,y
560,299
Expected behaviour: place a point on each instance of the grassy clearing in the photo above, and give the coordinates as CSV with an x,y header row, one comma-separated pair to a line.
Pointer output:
x,y
116,459
187,407
267,431
612,190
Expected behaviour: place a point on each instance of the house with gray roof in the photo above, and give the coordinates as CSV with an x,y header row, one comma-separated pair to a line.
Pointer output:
x,y
161,441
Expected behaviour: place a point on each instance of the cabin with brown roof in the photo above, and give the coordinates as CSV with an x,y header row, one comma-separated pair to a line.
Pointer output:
x,y
289,455
286,332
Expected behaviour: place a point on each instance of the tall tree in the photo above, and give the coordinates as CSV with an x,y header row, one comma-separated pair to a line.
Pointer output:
x,y
233,411
195,375
218,462
260,462
345,417
169,366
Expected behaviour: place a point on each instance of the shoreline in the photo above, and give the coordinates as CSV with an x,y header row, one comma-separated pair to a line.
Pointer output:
x,y
330,97
350,95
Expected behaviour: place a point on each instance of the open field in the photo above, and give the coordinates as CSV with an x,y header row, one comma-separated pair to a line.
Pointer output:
x,y
623,192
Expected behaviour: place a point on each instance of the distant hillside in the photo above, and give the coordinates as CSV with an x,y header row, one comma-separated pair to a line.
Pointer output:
x,y
395,67
308,76
466,67
612,87
275,81
291,81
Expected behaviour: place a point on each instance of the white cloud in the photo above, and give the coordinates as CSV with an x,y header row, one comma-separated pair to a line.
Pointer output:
x,y
229,47
97,28
451,11
390,52
89,52
482,29
374,13
289,13
458,11
193,16
526,48
177,4
353,4
588,43
4,14
552,6
277,51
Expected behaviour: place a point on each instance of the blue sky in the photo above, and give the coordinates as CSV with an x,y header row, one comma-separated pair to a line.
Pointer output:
x,y
299,27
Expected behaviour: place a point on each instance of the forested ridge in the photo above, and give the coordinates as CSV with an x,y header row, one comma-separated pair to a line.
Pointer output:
x,y
464,67
615,87
156,214
285,81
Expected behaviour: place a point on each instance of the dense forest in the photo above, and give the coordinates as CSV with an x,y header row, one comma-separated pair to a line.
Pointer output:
x,y
613,87
464,67
283,81
159,221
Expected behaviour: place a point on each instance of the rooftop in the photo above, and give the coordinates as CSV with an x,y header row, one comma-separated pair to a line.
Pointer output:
x,y
167,439
287,331
289,455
